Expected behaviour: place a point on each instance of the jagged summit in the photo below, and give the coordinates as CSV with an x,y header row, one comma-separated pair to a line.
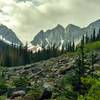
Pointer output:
x,y
8,35
59,33
97,22
59,26
72,26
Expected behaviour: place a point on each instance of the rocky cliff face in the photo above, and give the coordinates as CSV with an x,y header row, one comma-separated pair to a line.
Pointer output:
x,y
50,37
60,35
8,35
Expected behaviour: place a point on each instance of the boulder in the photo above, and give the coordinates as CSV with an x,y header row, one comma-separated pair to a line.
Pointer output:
x,y
17,94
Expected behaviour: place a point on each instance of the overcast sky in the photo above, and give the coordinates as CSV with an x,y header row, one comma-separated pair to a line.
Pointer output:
x,y
28,17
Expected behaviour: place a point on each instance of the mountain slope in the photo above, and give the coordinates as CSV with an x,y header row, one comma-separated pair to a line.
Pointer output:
x,y
93,46
60,35
8,35
51,74
72,32
50,36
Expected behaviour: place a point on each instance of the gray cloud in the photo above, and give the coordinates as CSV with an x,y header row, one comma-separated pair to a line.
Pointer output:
x,y
27,17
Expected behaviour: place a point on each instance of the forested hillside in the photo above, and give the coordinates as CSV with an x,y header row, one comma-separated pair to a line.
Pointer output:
x,y
74,75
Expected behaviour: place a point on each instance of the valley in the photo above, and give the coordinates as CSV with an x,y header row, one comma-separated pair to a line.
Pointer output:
x,y
51,74
49,50
69,70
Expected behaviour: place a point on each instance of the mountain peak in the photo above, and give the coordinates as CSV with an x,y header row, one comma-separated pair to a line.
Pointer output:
x,y
8,35
3,26
59,27
72,26
95,23
59,33
97,20
42,31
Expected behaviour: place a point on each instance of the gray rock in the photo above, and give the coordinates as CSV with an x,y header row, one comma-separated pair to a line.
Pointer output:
x,y
60,36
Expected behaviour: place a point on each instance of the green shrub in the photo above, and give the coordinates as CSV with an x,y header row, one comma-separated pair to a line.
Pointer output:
x,y
3,98
21,82
34,94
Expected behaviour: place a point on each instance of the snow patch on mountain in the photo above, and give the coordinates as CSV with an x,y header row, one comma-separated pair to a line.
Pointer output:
x,y
8,35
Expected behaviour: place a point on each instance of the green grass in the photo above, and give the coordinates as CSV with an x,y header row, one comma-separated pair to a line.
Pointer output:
x,y
3,98
92,46
87,48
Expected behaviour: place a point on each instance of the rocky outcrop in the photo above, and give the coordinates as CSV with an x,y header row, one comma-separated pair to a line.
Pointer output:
x,y
48,73
17,94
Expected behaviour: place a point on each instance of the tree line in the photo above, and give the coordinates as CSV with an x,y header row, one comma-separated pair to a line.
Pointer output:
x,y
12,55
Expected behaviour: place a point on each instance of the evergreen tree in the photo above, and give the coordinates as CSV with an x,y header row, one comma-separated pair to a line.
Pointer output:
x,y
80,70
73,46
86,38
92,69
94,35
98,35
